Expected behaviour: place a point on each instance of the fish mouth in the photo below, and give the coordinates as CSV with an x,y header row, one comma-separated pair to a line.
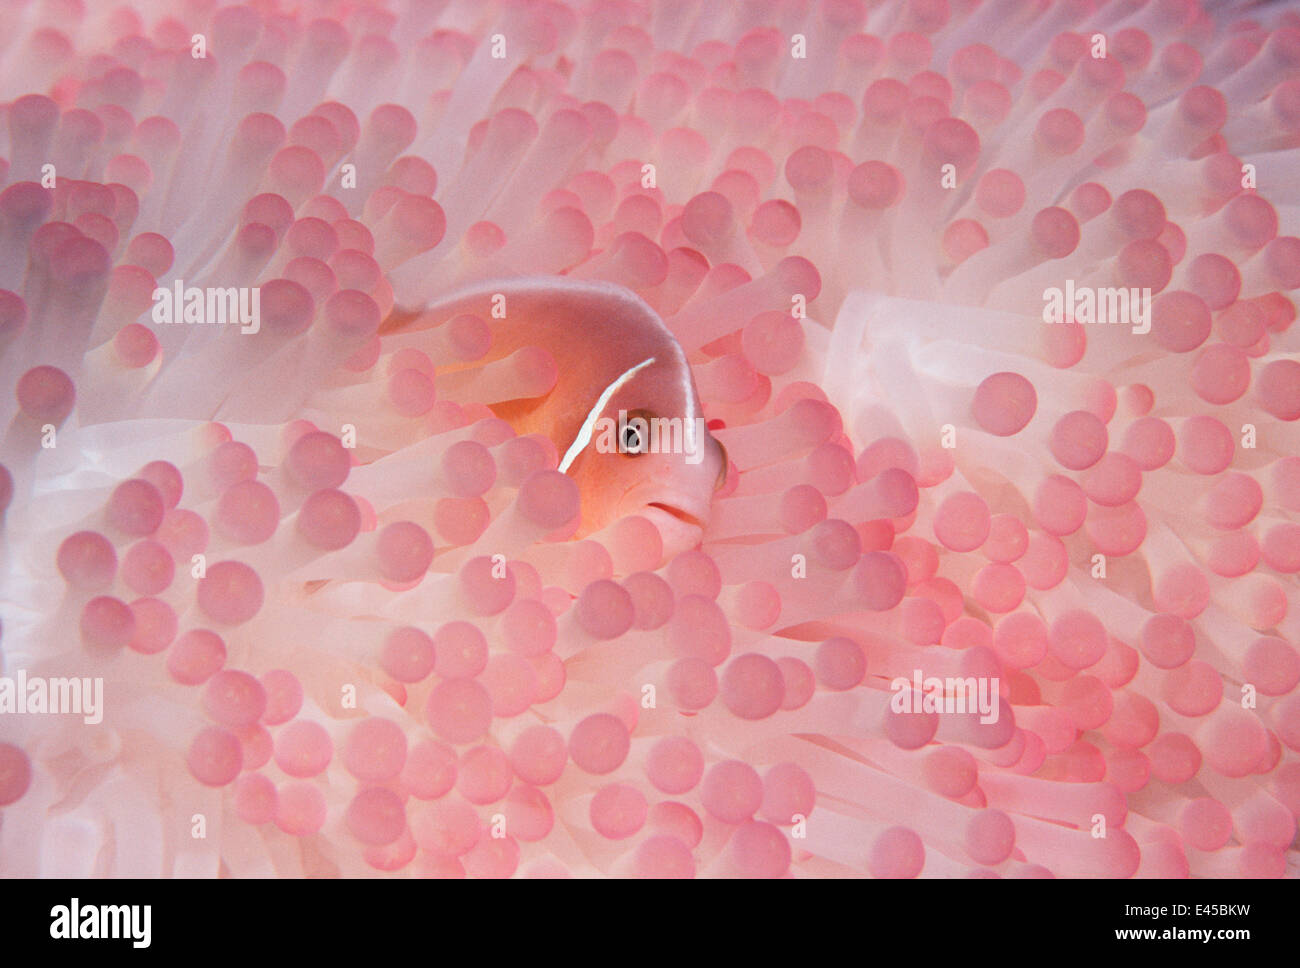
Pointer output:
x,y
684,516
679,530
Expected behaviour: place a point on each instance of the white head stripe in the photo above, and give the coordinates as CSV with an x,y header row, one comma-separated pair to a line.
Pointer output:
x,y
588,425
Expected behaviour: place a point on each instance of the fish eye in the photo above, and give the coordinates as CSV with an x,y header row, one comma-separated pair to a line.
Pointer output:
x,y
631,442
634,433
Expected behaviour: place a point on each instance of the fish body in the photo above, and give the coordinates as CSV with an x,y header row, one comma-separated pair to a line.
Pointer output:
x,y
624,415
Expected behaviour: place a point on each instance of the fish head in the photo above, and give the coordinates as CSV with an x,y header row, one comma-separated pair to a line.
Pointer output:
x,y
624,415
650,453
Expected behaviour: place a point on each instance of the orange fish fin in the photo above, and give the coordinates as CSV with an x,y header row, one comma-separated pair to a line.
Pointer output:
x,y
517,412
399,319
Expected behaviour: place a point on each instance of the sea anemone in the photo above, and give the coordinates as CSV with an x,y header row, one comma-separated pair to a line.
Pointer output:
x,y
344,616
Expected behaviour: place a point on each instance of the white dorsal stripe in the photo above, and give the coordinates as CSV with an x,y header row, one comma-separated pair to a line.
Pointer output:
x,y
588,426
